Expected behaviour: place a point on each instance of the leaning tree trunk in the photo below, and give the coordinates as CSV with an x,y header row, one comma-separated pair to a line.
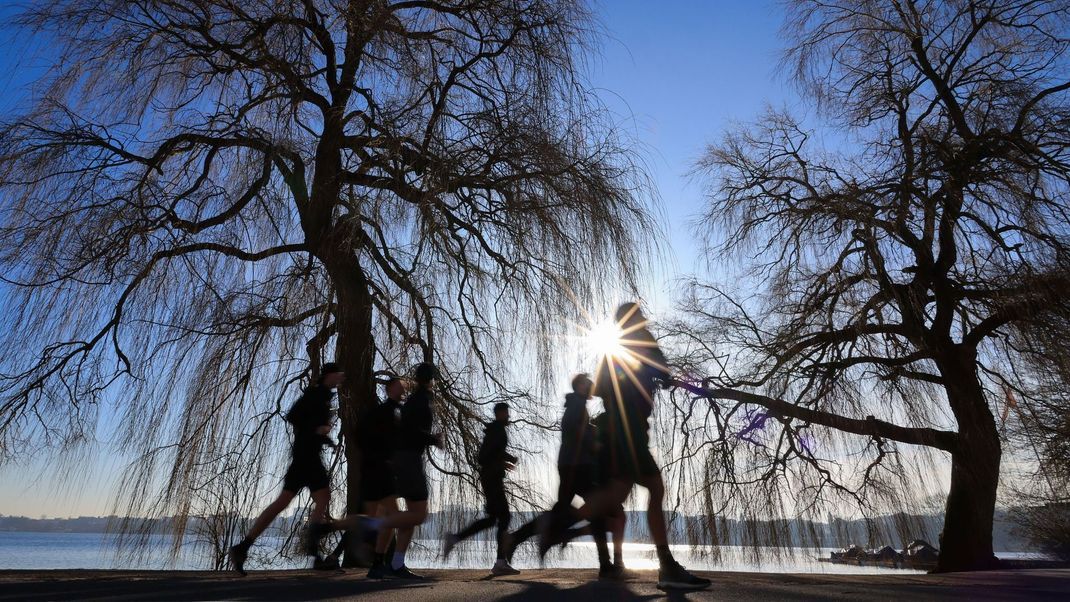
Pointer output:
x,y
966,542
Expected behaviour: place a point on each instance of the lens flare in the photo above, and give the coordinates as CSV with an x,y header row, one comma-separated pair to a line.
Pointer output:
x,y
604,338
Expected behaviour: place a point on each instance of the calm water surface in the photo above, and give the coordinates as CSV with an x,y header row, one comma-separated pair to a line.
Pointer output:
x,y
23,550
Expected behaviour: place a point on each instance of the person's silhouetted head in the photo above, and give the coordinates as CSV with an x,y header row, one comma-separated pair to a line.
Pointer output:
x,y
331,375
582,384
629,315
501,412
395,388
424,374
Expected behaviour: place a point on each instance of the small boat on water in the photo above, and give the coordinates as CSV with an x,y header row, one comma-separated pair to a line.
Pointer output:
x,y
918,555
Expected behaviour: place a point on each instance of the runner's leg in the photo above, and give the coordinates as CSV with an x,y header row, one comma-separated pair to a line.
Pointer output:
x,y
417,512
273,510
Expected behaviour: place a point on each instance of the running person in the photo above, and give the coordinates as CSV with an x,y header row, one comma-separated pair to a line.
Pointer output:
x,y
617,520
378,491
576,477
494,461
310,418
626,384
413,437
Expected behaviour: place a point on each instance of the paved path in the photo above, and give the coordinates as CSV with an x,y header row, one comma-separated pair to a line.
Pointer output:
x,y
556,585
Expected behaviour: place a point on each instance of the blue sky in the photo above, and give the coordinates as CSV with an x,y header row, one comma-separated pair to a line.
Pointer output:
x,y
676,72
681,72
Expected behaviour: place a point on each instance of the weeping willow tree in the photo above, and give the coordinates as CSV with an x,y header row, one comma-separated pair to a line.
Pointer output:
x,y
901,291
206,198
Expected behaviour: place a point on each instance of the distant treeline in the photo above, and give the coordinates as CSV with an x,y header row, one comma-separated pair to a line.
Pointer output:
x,y
895,530
106,524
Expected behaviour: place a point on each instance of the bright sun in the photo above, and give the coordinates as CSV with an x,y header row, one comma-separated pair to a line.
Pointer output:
x,y
603,339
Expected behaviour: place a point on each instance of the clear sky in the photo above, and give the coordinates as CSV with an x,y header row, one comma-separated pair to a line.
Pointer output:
x,y
676,72
679,72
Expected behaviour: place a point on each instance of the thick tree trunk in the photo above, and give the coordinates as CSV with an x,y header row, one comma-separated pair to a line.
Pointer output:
x,y
353,313
356,353
966,542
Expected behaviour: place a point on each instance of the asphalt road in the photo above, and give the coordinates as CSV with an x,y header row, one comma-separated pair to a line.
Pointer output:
x,y
555,585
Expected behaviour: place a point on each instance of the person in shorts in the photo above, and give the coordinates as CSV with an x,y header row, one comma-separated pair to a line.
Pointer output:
x,y
310,417
415,422
376,433
626,381
577,476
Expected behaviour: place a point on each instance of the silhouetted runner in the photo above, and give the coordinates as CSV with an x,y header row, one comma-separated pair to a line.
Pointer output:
x,y
617,519
376,435
494,461
576,476
310,418
626,384
413,437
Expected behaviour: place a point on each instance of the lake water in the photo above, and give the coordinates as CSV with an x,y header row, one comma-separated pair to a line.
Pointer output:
x,y
23,550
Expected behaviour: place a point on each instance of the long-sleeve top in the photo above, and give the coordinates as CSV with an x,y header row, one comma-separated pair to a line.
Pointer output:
x,y
635,376
378,430
414,430
311,411
577,433
493,454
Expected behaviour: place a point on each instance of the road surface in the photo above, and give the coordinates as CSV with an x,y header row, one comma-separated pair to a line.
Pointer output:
x,y
557,585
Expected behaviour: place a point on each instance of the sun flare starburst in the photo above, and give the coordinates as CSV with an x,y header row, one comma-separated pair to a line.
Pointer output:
x,y
604,339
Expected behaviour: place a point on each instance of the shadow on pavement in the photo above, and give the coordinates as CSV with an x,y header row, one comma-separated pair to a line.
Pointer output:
x,y
588,592
248,588
556,586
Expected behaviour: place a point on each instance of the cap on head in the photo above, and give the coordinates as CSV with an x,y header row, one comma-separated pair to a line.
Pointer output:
x,y
330,368
425,373
498,407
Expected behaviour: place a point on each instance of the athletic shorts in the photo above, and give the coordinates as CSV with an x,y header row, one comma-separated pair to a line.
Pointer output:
x,y
376,480
631,463
306,471
410,480
575,479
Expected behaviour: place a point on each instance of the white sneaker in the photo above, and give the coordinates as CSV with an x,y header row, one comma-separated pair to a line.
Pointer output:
x,y
502,568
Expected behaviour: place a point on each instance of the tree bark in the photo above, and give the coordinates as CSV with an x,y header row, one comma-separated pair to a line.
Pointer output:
x,y
355,349
356,354
966,541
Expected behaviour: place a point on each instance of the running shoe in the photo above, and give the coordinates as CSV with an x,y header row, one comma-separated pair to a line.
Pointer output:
x,y
404,573
503,568
329,563
626,574
378,570
673,576
238,555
